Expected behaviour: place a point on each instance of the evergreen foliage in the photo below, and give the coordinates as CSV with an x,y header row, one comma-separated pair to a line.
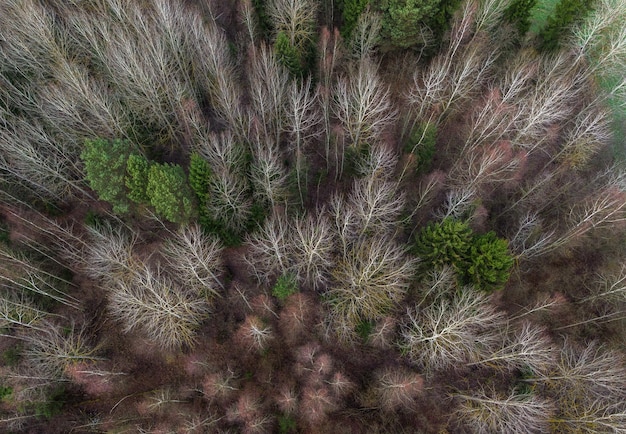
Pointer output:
x,y
288,55
444,243
567,13
422,145
105,169
403,21
489,262
481,260
265,24
351,10
199,178
136,181
169,193
518,13
285,286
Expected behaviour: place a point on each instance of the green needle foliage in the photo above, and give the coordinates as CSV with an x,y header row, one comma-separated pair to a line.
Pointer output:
x,y
288,55
285,286
403,20
105,167
422,145
137,168
489,262
481,260
199,178
351,10
443,243
518,13
567,13
169,193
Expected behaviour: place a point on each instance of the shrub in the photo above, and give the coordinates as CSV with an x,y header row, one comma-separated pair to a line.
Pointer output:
x,y
169,193
287,424
5,392
105,166
422,145
285,286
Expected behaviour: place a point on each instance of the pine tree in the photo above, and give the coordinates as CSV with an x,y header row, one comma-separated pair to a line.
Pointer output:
x,y
105,167
136,181
169,193
489,262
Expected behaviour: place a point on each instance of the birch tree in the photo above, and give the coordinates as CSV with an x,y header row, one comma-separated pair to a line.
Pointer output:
x,y
196,258
450,332
369,280
154,305
487,411
362,104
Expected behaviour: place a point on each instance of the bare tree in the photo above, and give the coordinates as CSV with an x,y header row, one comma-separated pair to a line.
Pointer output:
x,y
376,205
268,175
589,133
397,388
109,255
362,104
18,309
487,411
365,34
294,17
529,346
269,248
151,303
593,418
228,199
330,54
138,59
379,162
586,374
370,280
18,272
312,248
247,16
197,259
301,121
31,48
35,160
495,118
255,334
215,70
77,105
530,238
487,166
450,332
559,85
269,83
455,75
608,289
458,203
600,39
49,350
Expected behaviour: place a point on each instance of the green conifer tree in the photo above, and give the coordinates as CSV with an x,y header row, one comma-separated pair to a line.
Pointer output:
x,y
105,167
169,193
137,168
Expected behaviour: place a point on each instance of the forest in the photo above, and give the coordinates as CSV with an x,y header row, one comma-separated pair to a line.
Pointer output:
x,y
313,216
